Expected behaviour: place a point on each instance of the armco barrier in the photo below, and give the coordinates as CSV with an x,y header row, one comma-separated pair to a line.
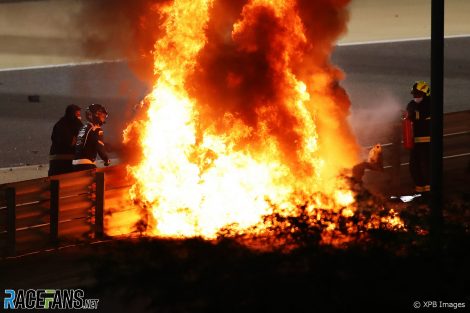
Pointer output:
x,y
51,211
63,209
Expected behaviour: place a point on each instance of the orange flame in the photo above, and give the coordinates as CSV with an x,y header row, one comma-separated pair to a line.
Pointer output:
x,y
263,131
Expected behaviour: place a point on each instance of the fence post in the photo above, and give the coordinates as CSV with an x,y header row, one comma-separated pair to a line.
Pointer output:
x,y
10,195
54,211
99,205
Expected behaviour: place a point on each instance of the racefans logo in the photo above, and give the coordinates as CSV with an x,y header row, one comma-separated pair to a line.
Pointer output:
x,y
53,299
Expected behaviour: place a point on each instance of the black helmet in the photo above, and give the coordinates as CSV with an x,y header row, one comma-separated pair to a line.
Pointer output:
x,y
71,110
92,113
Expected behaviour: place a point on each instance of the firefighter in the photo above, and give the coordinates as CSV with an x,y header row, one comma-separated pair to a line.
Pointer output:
x,y
64,137
90,140
419,112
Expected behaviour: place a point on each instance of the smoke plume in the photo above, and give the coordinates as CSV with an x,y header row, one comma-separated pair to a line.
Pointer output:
x,y
121,29
247,65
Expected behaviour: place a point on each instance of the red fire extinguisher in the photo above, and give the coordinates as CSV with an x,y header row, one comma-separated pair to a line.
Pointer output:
x,y
408,136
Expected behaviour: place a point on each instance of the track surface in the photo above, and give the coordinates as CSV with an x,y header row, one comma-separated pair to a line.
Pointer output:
x,y
378,78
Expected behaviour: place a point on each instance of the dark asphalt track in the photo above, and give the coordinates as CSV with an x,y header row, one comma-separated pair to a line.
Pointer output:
x,y
25,126
374,71
378,79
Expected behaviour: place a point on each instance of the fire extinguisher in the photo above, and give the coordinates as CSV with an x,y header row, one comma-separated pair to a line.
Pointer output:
x,y
408,136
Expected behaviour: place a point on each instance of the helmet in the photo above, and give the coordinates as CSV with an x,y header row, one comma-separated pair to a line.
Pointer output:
x,y
421,86
96,114
71,110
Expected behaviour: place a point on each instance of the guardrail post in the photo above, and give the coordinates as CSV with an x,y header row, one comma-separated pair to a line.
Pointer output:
x,y
54,211
99,205
10,195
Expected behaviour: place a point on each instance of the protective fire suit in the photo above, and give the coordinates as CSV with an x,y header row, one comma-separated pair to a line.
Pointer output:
x,y
64,137
89,143
420,115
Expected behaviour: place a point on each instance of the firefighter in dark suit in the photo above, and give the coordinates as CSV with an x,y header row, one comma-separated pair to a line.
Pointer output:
x,y
419,112
64,137
90,139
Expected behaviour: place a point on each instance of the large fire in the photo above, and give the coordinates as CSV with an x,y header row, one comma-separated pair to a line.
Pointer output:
x,y
245,119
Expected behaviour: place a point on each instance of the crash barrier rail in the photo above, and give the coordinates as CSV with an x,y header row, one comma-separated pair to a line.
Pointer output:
x,y
456,146
82,206
53,211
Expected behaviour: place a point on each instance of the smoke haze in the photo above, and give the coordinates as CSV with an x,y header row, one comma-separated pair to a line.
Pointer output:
x,y
375,123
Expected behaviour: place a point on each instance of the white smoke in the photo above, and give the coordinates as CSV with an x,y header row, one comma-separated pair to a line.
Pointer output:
x,y
377,119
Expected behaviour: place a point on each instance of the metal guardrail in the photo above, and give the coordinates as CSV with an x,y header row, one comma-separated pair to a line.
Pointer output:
x,y
63,209
76,207
456,126
395,175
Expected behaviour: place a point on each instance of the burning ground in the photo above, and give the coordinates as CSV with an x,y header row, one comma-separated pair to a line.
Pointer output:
x,y
246,120
387,272
244,134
